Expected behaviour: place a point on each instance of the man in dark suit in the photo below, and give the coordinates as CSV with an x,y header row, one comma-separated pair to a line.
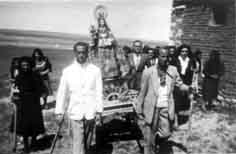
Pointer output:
x,y
155,104
137,60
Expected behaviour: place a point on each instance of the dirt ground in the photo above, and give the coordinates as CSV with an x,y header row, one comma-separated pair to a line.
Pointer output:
x,y
211,132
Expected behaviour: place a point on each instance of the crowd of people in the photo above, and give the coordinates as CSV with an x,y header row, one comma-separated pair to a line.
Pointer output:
x,y
164,76
30,82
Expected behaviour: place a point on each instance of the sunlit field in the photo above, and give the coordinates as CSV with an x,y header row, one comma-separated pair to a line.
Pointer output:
x,y
212,131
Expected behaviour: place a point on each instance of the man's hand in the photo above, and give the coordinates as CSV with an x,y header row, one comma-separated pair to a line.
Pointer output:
x,y
192,89
141,116
192,92
15,90
98,119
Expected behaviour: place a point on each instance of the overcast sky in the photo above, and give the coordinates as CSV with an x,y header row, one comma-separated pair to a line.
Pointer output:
x,y
144,19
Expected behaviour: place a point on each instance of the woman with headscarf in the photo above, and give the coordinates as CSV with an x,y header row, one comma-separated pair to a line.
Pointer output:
x,y
29,114
213,70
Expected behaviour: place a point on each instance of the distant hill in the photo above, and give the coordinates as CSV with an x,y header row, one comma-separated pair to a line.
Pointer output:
x,y
45,39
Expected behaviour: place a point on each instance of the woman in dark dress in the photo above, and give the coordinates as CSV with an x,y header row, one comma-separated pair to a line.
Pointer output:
x,y
185,64
29,114
43,67
213,70
185,67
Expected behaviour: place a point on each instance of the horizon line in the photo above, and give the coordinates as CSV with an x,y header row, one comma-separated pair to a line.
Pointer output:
x,y
71,35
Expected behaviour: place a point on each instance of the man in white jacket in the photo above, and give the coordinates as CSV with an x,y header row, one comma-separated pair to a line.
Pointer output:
x,y
80,89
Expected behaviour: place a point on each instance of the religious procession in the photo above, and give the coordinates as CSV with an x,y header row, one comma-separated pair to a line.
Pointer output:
x,y
150,90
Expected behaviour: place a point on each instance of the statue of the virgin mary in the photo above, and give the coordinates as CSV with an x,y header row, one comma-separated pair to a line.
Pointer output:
x,y
102,36
107,55
103,44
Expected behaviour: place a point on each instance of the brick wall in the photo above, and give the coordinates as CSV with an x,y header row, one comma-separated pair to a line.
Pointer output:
x,y
190,25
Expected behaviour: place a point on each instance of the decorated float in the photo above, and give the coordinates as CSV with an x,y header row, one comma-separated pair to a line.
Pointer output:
x,y
119,99
109,56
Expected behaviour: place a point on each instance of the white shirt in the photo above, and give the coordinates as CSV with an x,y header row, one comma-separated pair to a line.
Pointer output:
x,y
155,61
163,97
137,58
184,64
81,87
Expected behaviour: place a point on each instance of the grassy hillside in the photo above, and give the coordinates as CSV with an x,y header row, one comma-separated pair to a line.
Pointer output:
x,y
52,39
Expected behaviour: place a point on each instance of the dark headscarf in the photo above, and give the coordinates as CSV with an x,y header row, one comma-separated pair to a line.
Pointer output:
x,y
214,63
27,60
28,81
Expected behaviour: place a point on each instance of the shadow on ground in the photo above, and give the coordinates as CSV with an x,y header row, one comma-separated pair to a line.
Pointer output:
x,y
167,147
44,143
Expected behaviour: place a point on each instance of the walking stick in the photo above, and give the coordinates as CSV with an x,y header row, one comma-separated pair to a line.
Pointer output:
x,y
58,131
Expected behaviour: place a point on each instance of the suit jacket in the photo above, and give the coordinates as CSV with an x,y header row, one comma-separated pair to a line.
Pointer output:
x,y
136,70
142,63
150,83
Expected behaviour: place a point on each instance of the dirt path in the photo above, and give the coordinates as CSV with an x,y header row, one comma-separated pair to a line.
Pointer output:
x,y
212,132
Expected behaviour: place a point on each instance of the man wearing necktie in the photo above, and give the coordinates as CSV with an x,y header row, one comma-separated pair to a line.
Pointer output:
x,y
137,60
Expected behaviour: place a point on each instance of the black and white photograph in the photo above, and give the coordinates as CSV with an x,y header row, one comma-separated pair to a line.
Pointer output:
x,y
117,76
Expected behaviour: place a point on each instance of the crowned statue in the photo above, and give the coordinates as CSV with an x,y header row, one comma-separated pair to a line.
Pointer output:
x,y
102,36
109,56
103,44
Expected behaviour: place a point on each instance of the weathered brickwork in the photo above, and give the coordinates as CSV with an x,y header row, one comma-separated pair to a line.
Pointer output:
x,y
190,25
